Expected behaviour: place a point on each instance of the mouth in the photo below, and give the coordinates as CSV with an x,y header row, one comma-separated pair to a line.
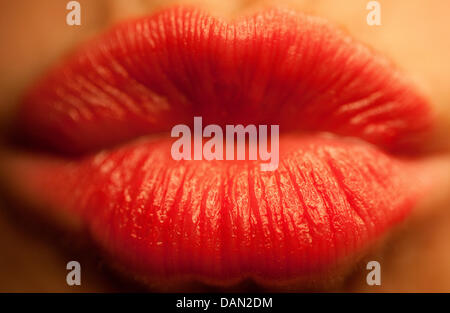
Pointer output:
x,y
350,124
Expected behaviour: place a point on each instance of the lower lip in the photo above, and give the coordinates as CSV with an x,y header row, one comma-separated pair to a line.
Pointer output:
x,y
225,221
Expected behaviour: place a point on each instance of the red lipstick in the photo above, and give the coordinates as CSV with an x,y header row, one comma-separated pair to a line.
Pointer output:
x,y
223,221
277,67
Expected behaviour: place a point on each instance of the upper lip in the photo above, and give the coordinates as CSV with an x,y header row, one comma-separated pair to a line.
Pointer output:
x,y
277,67
222,221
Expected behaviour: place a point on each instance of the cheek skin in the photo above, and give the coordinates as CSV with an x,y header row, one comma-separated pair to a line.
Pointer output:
x,y
416,256
36,36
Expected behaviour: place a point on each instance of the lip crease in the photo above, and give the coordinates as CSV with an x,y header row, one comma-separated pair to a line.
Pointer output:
x,y
346,118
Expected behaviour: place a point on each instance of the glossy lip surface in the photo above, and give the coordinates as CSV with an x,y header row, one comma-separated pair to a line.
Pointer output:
x,y
220,222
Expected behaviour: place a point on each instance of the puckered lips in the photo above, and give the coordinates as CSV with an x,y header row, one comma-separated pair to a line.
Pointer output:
x,y
223,221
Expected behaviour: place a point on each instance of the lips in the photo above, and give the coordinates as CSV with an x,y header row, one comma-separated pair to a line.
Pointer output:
x,y
345,114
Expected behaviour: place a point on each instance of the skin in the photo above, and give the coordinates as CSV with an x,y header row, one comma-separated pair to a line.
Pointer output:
x,y
414,257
